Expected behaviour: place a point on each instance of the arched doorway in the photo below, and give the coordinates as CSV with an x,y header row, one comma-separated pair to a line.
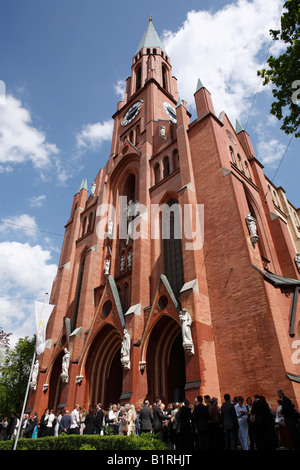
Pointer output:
x,y
165,361
56,385
103,368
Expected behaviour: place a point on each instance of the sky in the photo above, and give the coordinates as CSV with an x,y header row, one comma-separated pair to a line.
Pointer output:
x,y
63,65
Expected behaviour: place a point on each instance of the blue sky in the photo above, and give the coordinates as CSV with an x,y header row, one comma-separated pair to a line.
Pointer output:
x,y
64,63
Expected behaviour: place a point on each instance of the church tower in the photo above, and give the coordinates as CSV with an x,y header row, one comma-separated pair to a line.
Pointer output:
x,y
177,274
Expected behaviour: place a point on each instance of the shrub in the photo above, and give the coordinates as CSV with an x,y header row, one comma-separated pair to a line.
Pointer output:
x,y
88,442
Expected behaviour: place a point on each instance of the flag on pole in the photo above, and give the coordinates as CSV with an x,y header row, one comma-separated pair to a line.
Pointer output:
x,y
42,314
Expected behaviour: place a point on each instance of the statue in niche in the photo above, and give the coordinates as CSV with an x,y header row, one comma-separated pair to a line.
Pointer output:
x,y
129,260
65,366
107,267
110,228
93,190
163,133
123,263
130,209
125,350
251,224
297,261
187,340
35,373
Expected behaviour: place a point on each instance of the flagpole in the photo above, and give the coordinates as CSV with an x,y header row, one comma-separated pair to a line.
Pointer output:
x,y
26,394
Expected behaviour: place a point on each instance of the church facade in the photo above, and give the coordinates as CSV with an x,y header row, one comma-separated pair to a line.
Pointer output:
x,y
178,273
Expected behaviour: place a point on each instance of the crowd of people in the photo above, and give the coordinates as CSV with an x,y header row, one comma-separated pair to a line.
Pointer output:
x,y
249,424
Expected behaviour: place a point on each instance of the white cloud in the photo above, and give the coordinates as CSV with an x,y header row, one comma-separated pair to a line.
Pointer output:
x,y
24,224
26,274
120,88
270,151
20,141
223,49
37,201
93,135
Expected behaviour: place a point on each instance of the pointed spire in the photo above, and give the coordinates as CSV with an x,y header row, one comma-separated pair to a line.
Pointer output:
x,y
199,85
238,127
179,102
150,38
83,185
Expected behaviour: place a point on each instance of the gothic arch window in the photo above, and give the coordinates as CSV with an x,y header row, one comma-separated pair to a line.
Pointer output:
x,y
78,293
248,174
138,78
232,155
175,159
125,297
84,225
131,137
156,173
129,188
164,77
91,222
240,163
172,246
138,132
166,166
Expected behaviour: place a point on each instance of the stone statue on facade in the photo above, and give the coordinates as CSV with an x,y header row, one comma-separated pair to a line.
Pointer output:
x,y
187,340
122,265
163,133
297,261
93,190
251,224
107,267
65,366
129,260
34,376
125,350
110,228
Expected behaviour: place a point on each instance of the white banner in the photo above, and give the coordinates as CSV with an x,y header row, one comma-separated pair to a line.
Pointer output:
x,y
42,314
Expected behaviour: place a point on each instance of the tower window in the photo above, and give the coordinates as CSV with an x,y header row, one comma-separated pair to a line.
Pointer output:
x,y
172,248
156,173
164,77
138,78
166,165
175,160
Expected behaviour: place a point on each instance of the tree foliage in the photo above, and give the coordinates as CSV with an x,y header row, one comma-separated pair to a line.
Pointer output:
x,y
14,374
284,71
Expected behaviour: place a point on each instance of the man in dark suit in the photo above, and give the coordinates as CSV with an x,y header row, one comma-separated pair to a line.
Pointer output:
x,y
230,423
99,419
201,417
146,417
65,422
158,418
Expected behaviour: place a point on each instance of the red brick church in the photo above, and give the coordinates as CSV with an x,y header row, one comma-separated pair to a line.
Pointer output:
x,y
178,274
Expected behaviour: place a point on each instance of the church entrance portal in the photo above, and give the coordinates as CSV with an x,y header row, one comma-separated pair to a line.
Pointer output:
x,y
165,362
104,368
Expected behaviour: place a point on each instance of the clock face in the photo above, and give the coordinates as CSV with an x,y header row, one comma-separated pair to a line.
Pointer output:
x,y
131,113
170,110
